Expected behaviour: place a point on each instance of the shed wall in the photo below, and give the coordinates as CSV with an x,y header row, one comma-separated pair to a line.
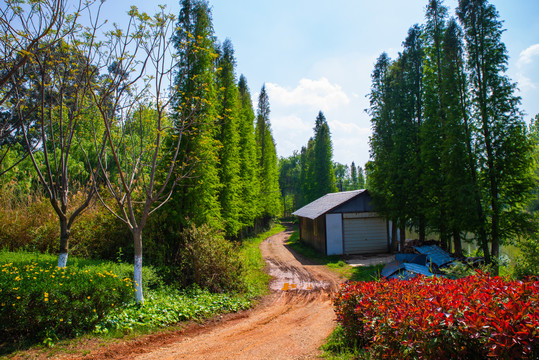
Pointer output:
x,y
313,232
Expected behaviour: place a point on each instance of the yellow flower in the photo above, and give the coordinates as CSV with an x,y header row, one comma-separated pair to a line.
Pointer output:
x,y
18,297
94,310
61,319
88,297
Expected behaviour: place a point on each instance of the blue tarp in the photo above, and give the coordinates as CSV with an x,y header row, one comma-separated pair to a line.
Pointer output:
x,y
435,255
404,270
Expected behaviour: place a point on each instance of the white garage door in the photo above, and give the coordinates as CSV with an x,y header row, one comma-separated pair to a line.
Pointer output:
x,y
364,233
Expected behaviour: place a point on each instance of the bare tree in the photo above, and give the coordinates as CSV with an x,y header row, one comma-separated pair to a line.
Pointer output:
x,y
28,28
57,110
142,162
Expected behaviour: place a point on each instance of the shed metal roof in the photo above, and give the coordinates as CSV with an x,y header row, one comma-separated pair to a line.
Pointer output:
x,y
326,203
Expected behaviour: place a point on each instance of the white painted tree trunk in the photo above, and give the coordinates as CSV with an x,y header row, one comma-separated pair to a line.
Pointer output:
x,y
138,279
62,260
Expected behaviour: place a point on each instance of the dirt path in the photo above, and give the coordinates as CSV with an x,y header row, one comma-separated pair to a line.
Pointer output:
x,y
291,323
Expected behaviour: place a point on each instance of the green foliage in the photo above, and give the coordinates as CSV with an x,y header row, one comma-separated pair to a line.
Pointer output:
x,y
250,184
229,167
270,195
38,300
450,149
289,182
209,260
195,99
527,263
316,166
337,347
323,172
169,306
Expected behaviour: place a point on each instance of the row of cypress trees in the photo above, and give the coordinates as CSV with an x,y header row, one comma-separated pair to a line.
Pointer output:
x,y
233,181
450,149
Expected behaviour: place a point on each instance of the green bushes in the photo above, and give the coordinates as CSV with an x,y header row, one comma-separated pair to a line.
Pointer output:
x,y
207,259
39,300
435,318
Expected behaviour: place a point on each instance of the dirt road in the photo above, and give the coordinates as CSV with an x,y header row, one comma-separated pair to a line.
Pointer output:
x,y
290,323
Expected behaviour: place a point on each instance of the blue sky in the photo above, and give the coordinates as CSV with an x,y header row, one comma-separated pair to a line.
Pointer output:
x,y
318,55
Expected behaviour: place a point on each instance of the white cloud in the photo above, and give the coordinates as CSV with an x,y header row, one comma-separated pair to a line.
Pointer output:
x,y
526,74
526,56
349,128
317,94
525,83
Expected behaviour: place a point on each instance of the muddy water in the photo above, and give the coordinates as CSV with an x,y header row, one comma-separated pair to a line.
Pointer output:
x,y
290,278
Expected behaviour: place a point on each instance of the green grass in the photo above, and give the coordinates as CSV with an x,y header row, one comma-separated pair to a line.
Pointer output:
x,y
254,276
336,348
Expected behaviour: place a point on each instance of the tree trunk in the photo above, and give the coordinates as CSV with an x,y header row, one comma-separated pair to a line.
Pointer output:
x,y
443,232
137,272
64,242
422,227
403,237
457,242
394,237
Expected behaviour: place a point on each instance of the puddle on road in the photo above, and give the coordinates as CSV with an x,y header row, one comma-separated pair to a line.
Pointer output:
x,y
288,278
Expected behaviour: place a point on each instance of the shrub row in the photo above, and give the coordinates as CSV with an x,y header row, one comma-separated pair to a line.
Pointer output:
x,y
435,318
40,301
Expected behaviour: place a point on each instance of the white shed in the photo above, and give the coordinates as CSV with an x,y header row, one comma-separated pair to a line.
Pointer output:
x,y
344,223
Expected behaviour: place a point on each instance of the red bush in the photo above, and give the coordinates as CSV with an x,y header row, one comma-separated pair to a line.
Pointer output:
x,y
473,317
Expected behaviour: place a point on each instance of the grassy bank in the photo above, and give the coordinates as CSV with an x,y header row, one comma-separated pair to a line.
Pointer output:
x,y
43,305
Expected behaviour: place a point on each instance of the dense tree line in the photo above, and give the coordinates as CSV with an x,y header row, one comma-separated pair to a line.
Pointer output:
x,y
450,149
311,173
141,119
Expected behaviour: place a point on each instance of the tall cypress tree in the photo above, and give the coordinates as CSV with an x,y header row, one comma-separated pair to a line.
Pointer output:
x,y
323,172
503,149
270,203
433,130
411,119
360,178
353,176
306,173
229,167
196,99
464,210
389,149
249,184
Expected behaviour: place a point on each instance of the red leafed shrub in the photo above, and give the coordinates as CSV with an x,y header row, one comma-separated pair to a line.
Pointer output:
x,y
475,317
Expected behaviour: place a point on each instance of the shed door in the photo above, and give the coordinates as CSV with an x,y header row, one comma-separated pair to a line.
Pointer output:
x,y
364,233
